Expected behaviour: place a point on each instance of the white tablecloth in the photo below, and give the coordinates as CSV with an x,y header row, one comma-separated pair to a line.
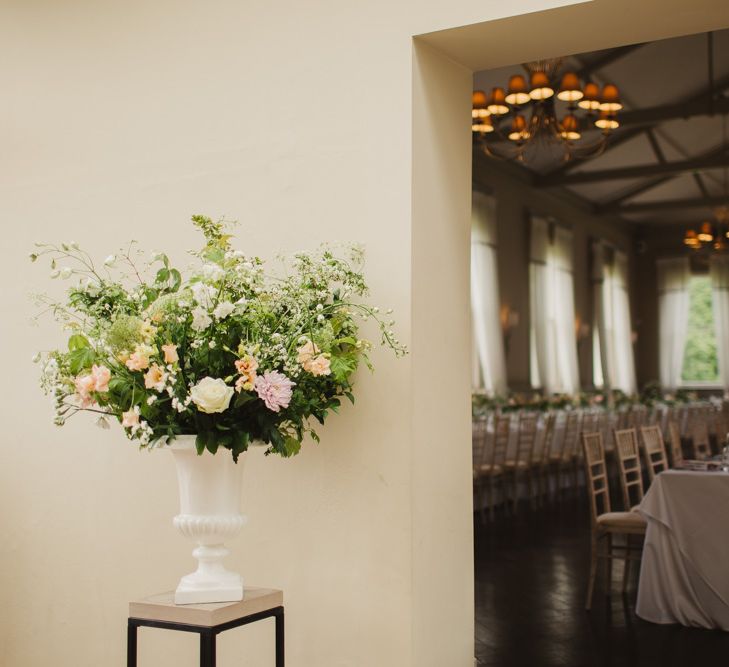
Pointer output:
x,y
684,575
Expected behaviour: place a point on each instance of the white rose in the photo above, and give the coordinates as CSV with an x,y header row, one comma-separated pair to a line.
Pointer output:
x,y
223,309
211,395
212,272
200,319
203,294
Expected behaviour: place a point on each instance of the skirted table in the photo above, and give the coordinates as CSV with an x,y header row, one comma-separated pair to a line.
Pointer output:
x,y
207,620
684,575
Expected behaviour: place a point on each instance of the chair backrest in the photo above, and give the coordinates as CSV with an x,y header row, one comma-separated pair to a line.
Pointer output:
x,y
547,441
571,442
479,431
654,450
596,475
631,480
700,447
502,430
526,436
674,439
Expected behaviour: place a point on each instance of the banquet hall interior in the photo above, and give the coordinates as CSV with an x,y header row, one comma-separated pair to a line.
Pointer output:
x,y
600,333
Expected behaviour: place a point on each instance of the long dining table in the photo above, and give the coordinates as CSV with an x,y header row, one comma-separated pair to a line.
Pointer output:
x,y
684,575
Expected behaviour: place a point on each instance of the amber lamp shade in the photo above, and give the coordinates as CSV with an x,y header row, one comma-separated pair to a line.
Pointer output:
x,y
569,90
590,98
607,121
719,243
482,125
541,90
479,103
706,235
519,130
497,102
691,239
518,92
570,128
610,99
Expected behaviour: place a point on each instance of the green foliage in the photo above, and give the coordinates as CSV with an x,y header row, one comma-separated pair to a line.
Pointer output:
x,y
700,362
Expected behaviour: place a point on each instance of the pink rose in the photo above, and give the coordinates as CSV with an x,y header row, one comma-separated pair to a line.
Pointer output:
x,y
101,375
318,366
306,352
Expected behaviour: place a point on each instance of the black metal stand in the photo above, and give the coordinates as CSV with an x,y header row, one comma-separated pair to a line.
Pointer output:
x,y
207,634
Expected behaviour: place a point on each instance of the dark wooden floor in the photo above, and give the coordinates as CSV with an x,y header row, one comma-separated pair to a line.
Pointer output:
x,y
530,591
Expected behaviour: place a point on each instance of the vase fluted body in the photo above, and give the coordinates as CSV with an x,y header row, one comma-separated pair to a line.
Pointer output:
x,y
209,515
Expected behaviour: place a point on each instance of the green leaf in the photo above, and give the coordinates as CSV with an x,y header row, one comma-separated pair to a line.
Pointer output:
x,y
200,442
243,398
78,342
213,442
292,446
176,280
239,444
163,275
81,359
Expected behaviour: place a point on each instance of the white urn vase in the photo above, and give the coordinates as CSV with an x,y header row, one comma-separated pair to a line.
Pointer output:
x,y
209,516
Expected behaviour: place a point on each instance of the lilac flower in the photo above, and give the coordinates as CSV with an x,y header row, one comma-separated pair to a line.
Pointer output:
x,y
274,389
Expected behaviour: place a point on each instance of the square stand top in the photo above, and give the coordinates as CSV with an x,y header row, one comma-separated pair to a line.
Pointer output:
x,y
163,608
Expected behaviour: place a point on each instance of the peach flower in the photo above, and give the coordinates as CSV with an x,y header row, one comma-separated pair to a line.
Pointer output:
x,y
85,384
307,352
154,378
101,375
139,359
130,418
318,366
247,367
171,356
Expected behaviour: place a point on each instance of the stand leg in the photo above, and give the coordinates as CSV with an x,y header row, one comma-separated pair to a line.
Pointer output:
x,y
280,638
207,648
131,645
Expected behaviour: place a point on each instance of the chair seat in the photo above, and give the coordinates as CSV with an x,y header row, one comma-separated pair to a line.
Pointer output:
x,y
624,522
486,469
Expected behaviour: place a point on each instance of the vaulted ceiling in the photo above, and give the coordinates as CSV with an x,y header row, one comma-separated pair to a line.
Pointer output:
x,y
666,162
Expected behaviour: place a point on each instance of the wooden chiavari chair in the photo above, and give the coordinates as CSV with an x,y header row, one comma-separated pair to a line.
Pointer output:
x,y
654,450
521,465
631,475
674,438
479,432
542,454
700,446
604,523
567,460
493,470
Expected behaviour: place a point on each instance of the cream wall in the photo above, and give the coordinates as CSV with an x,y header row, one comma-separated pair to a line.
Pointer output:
x,y
118,121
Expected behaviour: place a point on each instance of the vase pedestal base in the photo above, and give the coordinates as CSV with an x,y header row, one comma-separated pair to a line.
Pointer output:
x,y
211,582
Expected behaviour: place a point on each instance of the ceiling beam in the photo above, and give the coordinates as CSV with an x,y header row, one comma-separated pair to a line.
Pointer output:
x,y
671,204
629,133
716,159
661,114
606,59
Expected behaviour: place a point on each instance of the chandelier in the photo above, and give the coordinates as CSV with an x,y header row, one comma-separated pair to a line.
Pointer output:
x,y
710,236
511,123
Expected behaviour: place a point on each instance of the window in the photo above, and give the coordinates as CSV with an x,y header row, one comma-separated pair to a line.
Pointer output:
x,y
700,363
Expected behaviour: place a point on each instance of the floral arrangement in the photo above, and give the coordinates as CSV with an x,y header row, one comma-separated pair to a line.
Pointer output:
x,y
229,353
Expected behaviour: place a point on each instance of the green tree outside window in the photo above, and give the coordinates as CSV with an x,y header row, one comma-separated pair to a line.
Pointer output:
x,y
699,360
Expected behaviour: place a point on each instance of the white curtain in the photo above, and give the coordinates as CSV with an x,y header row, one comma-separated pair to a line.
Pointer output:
x,y
673,311
719,273
612,304
489,373
553,342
